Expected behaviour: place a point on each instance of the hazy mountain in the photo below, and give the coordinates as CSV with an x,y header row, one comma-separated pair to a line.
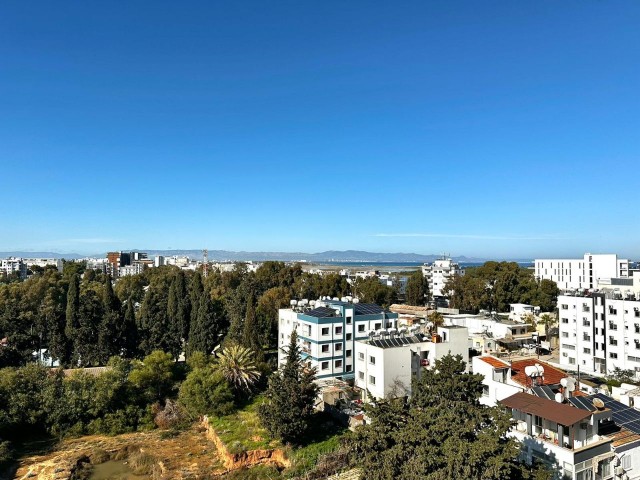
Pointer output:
x,y
68,256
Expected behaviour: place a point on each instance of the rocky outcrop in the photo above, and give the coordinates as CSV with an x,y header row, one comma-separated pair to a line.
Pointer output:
x,y
232,461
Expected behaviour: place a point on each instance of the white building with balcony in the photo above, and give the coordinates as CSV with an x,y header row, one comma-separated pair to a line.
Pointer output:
x,y
328,331
13,265
438,273
385,365
581,438
599,332
582,273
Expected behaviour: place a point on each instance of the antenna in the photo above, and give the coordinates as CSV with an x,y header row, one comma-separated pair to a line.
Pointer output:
x,y
205,262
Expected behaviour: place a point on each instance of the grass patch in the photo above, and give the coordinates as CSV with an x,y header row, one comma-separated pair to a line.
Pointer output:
x,y
242,431
324,438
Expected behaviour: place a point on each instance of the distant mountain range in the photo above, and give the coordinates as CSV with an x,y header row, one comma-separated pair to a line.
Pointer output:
x,y
226,255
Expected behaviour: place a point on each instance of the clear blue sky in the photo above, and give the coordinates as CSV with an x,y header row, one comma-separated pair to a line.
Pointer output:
x,y
494,129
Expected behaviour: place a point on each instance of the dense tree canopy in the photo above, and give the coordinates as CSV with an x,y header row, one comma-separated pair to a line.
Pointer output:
x,y
442,432
495,285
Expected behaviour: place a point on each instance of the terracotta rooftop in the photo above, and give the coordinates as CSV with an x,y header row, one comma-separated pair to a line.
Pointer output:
x,y
552,375
494,362
549,409
623,437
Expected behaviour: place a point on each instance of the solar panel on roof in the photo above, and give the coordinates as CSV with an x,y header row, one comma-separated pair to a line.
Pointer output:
x,y
583,403
623,415
544,391
367,309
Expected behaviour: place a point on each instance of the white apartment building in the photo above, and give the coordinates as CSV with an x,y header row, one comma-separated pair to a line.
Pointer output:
x,y
44,262
438,273
581,438
11,265
135,268
501,331
385,365
328,331
600,331
581,274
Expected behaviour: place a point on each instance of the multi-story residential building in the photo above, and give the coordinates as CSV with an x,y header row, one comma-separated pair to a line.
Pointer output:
x,y
438,273
134,269
581,274
599,331
580,437
498,331
328,330
385,365
12,265
44,262
502,379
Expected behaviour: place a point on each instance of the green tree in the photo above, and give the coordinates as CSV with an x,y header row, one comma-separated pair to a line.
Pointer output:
x,y
72,319
179,305
370,290
206,327
111,331
130,338
442,432
205,391
154,376
237,365
290,397
417,289
251,333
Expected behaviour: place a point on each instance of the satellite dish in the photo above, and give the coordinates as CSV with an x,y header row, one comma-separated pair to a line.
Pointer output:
x,y
558,397
599,404
571,384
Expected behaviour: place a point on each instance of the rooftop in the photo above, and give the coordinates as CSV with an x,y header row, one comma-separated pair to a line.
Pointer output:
x,y
397,341
561,413
494,362
552,375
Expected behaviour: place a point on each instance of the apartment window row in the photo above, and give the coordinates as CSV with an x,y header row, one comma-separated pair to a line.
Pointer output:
x,y
336,364
633,359
568,347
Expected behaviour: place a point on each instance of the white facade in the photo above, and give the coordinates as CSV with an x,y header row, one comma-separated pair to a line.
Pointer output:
x,y
599,332
385,367
135,268
438,273
497,329
44,262
11,265
328,333
581,274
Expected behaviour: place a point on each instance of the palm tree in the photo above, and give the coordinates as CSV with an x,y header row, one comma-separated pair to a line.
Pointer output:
x,y
237,365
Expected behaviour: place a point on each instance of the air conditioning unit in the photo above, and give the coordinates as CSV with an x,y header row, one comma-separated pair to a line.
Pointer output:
x,y
619,471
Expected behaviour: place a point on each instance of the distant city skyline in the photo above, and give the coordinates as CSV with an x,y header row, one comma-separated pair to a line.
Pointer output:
x,y
490,130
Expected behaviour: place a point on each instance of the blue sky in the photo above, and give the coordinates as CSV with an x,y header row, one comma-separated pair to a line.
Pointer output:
x,y
487,129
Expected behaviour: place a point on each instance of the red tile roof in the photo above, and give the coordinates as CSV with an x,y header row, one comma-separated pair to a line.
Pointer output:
x,y
556,412
551,376
494,362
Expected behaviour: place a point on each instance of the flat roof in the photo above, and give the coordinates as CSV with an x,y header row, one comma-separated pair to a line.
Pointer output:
x,y
551,375
397,341
549,409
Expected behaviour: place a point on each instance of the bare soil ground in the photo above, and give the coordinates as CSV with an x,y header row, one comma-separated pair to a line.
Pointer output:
x,y
185,455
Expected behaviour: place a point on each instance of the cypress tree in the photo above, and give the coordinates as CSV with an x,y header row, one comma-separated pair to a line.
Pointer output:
x,y
178,306
205,326
130,337
72,323
251,332
290,397
110,336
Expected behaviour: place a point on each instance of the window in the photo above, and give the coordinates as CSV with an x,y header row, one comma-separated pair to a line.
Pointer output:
x,y
372,360
572,361
613,341
565,334
565,307
348,368
626,462
538,421
324,365
361,355
372,380
586,323
349,320
338,364
361,328
637,327
613,355
485,390
586,337
361,375
587,351
337,347
348,354
565,320
378,326
348,336
325,330
325,348
339,330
